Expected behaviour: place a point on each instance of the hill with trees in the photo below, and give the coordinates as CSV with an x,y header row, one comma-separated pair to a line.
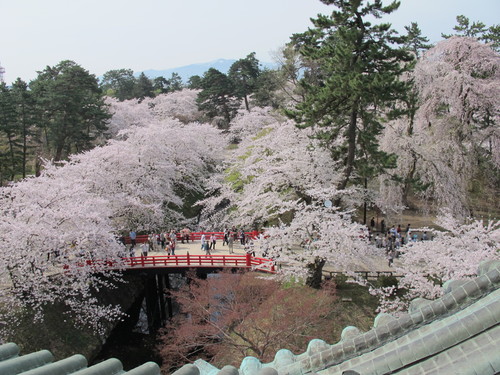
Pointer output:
x,y
356,118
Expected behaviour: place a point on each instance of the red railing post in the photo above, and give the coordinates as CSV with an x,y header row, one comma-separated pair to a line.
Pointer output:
x,y
188,261
248,257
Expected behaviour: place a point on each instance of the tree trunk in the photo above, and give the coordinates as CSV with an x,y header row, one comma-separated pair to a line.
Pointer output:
x,y
247,106
10,138
315,276
409,178
351,151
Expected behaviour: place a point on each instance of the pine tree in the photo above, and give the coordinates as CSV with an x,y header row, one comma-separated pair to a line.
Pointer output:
x,y
70,107
8,137
476,30
244,73
356,85
144,87
217,98
119,83
25,114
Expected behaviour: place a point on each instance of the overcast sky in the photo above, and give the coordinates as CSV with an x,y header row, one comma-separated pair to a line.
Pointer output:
x,y
101,35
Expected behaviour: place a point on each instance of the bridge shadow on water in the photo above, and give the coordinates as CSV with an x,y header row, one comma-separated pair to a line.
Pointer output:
x,y
134,340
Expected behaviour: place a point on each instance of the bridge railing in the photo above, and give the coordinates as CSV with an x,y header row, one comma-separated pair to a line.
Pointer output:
x,y
184,261
187,260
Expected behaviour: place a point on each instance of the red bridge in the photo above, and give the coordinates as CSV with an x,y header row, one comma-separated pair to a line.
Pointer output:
x,y
246,261
174,263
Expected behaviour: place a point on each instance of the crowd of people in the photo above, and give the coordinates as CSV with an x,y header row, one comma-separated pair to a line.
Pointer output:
x,y
388,238
163,241
394,238
167,241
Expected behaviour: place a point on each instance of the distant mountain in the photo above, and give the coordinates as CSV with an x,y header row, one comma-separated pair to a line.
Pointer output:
x,y
188,71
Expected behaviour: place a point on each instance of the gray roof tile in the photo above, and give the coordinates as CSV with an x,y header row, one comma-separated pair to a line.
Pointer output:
x,y
42,363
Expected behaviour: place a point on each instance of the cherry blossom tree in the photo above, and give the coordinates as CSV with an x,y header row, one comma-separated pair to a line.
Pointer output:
x,y
236,315
279,176
127,113
49,223
53,225
271,170
455,136
318,235
180,105
146,171
454,253
248,123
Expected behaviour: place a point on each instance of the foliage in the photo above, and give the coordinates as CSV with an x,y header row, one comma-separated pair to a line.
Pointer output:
x,y
217,98
123,85
230,316
355,85
452,138
477,30
70,109
275,166
73,213
143,87
119,83
17,131
61,112
244,73
453,254
414,41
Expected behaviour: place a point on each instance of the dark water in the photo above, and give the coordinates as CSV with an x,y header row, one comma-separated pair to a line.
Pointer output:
x,y
131,342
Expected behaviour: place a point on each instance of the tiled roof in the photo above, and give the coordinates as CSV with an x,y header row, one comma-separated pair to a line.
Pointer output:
x,y
42,363
458,333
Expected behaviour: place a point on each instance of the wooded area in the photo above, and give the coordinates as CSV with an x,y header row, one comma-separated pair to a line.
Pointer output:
x,y
357,118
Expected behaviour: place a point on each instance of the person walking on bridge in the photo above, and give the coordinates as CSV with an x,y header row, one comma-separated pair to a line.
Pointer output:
x,y
213,241
206,247
203,239
132,236
230,242
145,249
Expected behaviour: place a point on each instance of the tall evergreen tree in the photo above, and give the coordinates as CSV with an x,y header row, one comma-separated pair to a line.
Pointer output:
x,y
160,85
416,44
71,109
25,113
194,82
143,87
217,98
175,82
16,129
8,135
244,74
356,87
119,83
478,30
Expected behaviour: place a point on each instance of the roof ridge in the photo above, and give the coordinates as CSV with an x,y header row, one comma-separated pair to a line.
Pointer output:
x,y
320,355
